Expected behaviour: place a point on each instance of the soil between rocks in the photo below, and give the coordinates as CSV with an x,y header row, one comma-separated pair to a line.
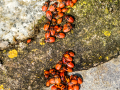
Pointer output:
x,y
95,39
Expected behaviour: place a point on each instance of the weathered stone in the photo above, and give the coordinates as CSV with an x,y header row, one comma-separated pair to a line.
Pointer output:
x,y
17,17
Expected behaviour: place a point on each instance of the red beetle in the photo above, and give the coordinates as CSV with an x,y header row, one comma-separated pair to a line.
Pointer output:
x,y
62,76
45,6
79,80
69,59
58,65
47,34
70,88
64,60
70,53
57,28
64,10
61,86
76,87
57,79
50,40
59,15
52,71
49,15
59,21
74,81
76,78
57,73
67,27
69,69
52,31
67,3
53,7
48,83
60,35
56,76
59,0
62,69
52,81
73,77
58,9
66,55
54,21
62,4
69,18
54,87
71,4
46,26
70,64
74,1
67,79
46,74
29,40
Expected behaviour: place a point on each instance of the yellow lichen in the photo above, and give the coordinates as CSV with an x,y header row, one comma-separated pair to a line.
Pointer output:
x,y
1,87
51,59
42,43
84,2
74,7
68,6
107,58
13,53
68,11
107,33
34,50
72,31
4,51
106,11
100,57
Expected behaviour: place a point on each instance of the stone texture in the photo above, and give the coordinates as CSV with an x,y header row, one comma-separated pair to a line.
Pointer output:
x,y
17,17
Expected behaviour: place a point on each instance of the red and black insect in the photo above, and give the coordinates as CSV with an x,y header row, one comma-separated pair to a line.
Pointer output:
x,y
46,74
67,27
52,71
49,15
46,26
53,7
64,10
69,18
60,35
50,39
52,31
62,4
74,1
58,65
70,64
70,53
45,6
59,21
47,34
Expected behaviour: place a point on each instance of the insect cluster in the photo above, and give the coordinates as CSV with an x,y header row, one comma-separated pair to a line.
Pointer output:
x,y
59,76
55,14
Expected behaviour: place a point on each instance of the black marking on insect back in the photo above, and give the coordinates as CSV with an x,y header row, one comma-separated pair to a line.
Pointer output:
x,y
68,18
46,5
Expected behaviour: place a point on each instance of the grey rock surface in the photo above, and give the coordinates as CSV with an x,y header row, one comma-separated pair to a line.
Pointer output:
x,y
17,17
